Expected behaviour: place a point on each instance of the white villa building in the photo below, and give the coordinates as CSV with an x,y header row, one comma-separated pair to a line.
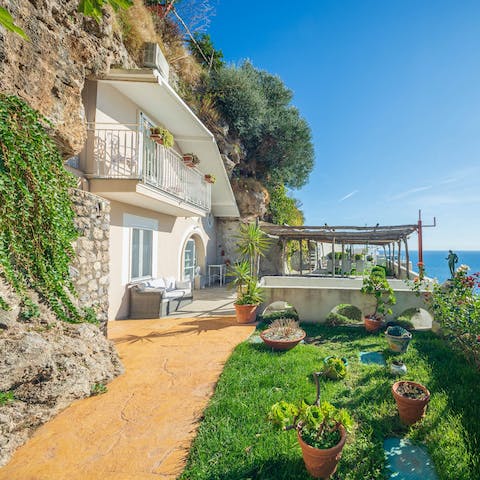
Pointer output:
x,y
162,212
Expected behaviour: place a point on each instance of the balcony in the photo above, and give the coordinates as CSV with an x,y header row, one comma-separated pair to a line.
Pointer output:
x,y
124,164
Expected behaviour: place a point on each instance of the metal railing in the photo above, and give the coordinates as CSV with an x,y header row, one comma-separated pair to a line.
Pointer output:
x,y
127,152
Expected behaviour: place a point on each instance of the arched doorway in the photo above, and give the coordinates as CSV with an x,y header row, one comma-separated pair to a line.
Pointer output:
x,y
193,258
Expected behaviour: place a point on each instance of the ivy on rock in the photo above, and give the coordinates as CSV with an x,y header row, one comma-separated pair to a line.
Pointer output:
x,y
36,215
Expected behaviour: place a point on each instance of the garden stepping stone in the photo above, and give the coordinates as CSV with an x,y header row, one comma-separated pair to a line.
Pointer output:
x,y
372,358
255,339
406,461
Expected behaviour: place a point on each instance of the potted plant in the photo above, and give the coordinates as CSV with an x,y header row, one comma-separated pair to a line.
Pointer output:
x,y
248,301
210,178
321,431
249,293
376,284
397,367
190,159
162,136
335,367
398,339
251,245
283,334
412,400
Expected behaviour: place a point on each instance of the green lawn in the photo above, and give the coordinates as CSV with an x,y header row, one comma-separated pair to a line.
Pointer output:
x,y
236,442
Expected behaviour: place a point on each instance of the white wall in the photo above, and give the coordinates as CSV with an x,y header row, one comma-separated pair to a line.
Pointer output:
x,y
171,235
115,108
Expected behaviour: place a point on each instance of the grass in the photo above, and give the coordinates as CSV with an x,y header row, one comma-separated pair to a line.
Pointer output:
x,y
236,442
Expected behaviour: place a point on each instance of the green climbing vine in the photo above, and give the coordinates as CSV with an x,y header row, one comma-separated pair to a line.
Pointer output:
x,y
36,215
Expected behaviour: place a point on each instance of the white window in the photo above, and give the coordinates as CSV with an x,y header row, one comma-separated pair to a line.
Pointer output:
x,y
141,254
140,248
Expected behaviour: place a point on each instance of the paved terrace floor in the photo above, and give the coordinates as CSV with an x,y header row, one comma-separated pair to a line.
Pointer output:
x,y
143,426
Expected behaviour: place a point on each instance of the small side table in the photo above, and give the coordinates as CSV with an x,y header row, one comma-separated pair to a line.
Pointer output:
x,y
221,268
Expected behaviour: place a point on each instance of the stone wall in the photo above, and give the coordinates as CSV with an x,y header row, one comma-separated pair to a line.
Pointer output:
x,y
227,230
90,270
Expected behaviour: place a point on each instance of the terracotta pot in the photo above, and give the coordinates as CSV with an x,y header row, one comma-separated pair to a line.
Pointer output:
x,y
321,463
411,410
157,138
281,344
372,324
246,313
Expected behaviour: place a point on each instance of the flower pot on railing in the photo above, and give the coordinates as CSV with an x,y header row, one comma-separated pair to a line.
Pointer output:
x,y
190,160
161,136
210,178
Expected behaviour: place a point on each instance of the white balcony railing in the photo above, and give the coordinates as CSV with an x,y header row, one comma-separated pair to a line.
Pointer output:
x,y
127,152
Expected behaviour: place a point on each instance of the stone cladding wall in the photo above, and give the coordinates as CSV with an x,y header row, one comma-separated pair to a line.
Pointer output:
x,y
91,267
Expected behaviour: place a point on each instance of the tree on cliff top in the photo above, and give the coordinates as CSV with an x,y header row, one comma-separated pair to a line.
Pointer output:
x,y
256,104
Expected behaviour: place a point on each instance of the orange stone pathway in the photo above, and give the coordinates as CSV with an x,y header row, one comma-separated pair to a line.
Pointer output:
x,y
143,426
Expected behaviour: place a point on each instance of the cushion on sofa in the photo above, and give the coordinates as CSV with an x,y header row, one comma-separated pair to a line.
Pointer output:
x,y
156,283
183,285
173,294
170,283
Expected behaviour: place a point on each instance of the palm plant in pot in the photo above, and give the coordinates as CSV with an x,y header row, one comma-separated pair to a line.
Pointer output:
x,y
321,431
249,292
283,334
376,284
251,245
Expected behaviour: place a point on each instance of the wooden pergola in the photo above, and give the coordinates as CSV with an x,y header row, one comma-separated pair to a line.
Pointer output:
x,y
390,237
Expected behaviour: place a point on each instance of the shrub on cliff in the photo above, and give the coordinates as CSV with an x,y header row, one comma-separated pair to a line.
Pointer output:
x,y
256,104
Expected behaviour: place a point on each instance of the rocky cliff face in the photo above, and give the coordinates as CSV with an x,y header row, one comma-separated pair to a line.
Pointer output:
x,y
45,364
251,196
49,71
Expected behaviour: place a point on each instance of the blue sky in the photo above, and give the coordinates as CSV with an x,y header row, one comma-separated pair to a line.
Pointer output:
x,y
391,90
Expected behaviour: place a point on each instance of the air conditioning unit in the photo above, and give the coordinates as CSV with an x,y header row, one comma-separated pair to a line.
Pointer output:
x,y
153,58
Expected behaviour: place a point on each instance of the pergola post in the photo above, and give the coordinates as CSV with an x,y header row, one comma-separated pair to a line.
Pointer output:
x,y
301,259
389,257
333,257
393,258
283,256
342,259
399,259
407,258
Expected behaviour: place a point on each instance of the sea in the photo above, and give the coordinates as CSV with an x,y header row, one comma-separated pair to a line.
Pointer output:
x,y
436,265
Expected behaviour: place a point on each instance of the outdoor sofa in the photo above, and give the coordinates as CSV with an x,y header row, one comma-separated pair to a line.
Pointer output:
x,y
159,297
